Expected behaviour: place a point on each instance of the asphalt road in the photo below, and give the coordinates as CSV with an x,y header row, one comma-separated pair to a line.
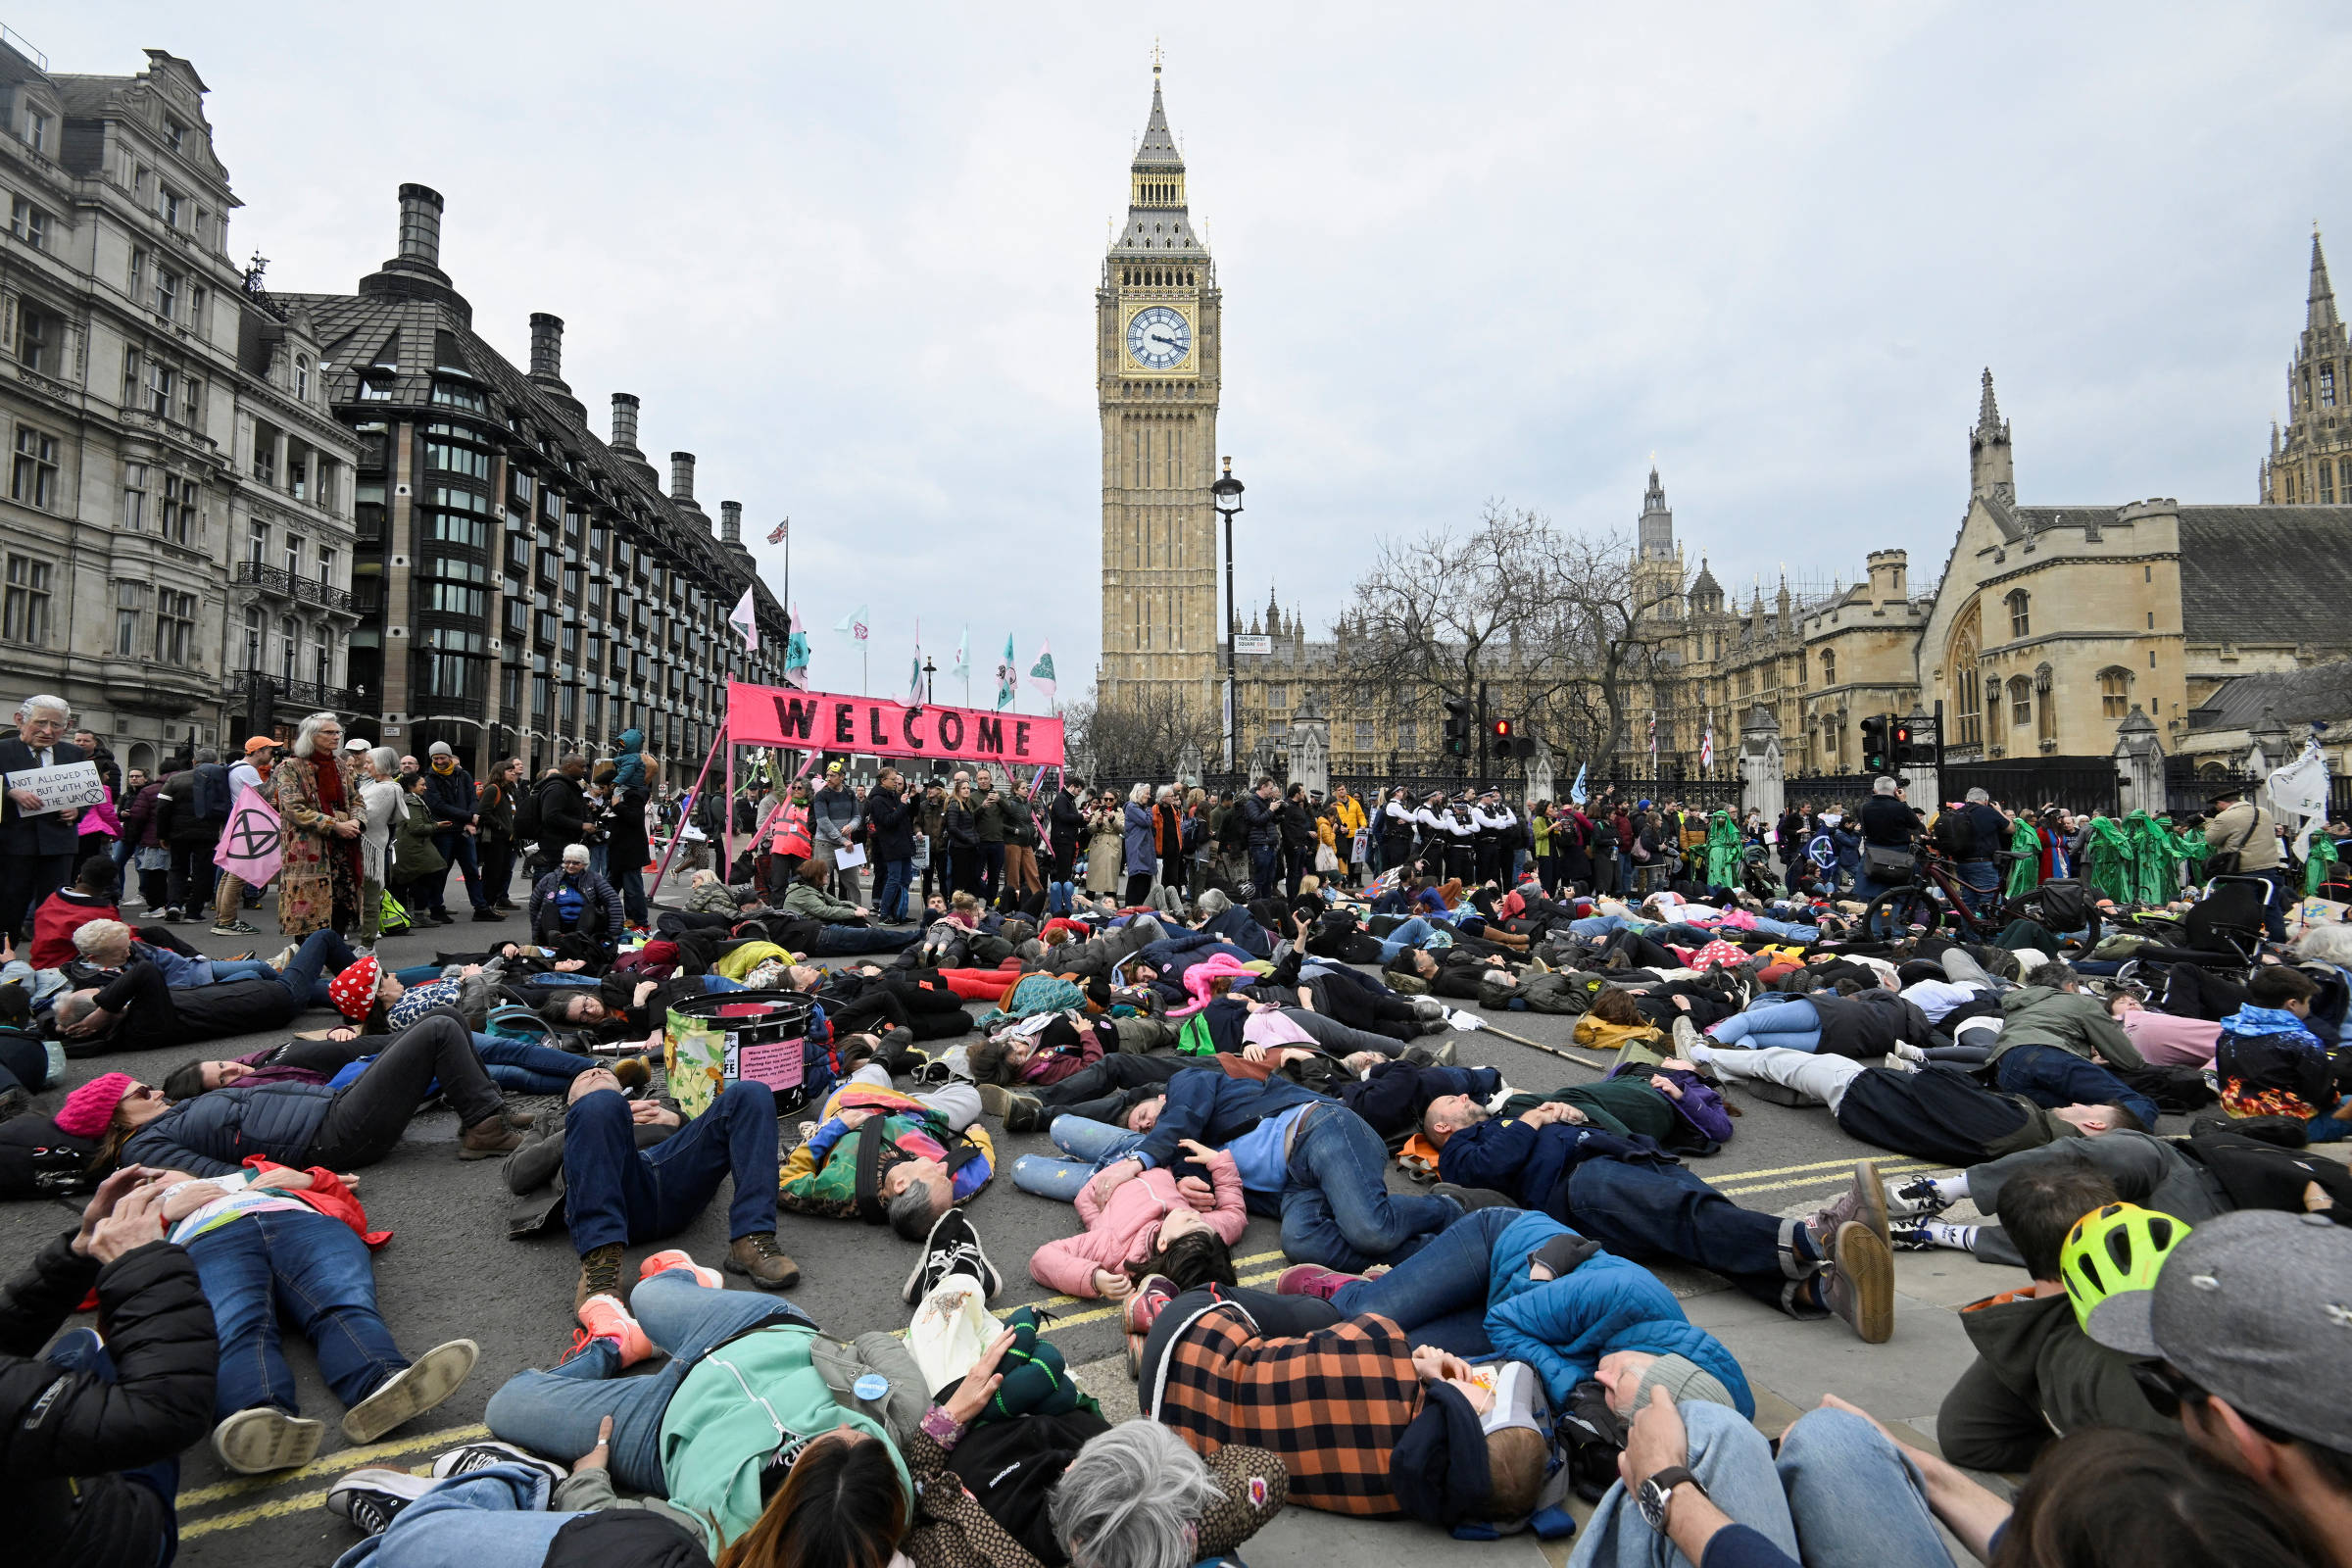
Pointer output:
x,y
450,1272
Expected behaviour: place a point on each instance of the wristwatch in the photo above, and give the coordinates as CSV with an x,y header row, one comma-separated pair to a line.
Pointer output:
x,y
1656,1493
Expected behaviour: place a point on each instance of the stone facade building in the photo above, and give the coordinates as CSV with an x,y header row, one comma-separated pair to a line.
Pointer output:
x,y
525,587
178,524
2053,622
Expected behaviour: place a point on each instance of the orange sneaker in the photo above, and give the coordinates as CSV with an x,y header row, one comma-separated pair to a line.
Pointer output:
x,y
604,1318
676,1257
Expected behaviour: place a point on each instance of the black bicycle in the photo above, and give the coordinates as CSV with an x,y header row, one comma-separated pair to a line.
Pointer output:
x,y
1936,898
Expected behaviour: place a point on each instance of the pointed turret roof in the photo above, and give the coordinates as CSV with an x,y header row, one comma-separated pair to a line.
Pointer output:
x,y
1705,585
1157,149
1990,426
2321,309
1157,222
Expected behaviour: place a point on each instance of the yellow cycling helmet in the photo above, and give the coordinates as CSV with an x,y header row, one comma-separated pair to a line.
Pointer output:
x,y
2113,1250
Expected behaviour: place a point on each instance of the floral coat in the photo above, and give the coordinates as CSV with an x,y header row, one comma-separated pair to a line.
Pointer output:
x,y
316,869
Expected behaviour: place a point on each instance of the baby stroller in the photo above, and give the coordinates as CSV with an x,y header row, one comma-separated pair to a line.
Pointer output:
x,y
2222,931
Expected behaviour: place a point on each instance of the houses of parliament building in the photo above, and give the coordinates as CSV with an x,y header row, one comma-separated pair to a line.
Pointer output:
x,y
2042,629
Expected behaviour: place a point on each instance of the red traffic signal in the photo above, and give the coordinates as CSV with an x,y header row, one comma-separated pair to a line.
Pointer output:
x,y
1500,728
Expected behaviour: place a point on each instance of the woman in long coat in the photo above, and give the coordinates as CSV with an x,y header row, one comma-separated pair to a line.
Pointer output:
x,y
1104,845
316,792
1143,849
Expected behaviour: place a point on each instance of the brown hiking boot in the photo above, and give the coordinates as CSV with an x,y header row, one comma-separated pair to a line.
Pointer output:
x,y
1857,1283
1864,1199
488,1136
600,1274
757,1257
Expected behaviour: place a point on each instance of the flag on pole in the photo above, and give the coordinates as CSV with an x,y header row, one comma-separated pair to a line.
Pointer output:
x,y
1041,673
964,653
796,652
776,535
1706,747
1008,676
1576,790
1653,741
853,625
914,676
745,618
249,845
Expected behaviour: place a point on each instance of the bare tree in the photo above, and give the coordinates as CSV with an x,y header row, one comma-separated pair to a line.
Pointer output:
x,y
1557,621
1142,735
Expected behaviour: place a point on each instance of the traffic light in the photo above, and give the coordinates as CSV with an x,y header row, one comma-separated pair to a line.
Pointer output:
x,y
1501,729
1900,747
1874,744
1457,726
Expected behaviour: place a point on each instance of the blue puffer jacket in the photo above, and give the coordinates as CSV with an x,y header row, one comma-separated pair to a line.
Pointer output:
x,y
1563,1327
214,1132
1534,1163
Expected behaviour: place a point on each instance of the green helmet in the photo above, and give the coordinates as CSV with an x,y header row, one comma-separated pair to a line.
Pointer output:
x,y
2114,1249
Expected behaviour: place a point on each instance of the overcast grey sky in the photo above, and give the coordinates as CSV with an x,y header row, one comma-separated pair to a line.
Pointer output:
x,y
848,255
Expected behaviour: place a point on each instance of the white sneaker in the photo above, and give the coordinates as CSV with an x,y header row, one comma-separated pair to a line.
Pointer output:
x,y
264,1439
410,1392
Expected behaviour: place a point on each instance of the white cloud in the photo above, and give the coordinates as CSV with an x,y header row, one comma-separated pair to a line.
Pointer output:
x,y
1501,251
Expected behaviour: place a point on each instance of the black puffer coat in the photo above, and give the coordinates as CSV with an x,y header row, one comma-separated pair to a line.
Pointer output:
x,y
62,1435
214,1134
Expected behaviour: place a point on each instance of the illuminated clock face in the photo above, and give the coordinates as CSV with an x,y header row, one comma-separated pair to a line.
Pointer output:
x,y
1158,338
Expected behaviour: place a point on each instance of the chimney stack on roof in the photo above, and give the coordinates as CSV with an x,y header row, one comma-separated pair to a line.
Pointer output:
x,y
547,346
730,523
624,423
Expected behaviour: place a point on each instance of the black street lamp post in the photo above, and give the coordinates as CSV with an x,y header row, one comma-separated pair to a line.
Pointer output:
x,y
1227,495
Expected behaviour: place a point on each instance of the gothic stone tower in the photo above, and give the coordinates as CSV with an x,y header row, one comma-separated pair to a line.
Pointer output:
x,y
2312,461
1156,363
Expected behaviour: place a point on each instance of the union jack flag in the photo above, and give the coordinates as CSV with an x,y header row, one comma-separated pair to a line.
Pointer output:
x,y
776,535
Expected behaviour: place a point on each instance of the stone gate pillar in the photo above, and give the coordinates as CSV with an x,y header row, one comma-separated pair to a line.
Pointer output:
x,y
2139,764
1311,749
1760,777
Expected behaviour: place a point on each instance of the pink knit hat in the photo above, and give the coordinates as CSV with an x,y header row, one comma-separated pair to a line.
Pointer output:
x,y
89,1108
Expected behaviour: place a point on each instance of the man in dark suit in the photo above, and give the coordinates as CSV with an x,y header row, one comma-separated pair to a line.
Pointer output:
x,y
36,853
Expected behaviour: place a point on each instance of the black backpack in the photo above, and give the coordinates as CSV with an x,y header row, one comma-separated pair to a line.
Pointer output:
x,y
526,813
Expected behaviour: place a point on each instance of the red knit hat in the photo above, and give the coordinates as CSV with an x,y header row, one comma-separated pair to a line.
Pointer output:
x,y
91,1108
354,990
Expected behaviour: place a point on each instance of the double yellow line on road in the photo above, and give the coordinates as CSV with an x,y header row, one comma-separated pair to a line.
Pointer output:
x,y
334,1464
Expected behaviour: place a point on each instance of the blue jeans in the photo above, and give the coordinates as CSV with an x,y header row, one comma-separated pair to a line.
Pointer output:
x,y
1838,1485
492,1518
527,1068
1086,1147
614,1192
2052,1077
322,955
82,1350
1413,933
316,1272
840,941
554,1412
992,870
1980,883
1650,1211
227,969
1336,1209
889,889
1791,1025
1265,868
1438,1295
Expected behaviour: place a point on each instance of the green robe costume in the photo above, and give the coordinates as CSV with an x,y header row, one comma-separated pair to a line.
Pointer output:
x,y
1724,850
2107,859
2024,874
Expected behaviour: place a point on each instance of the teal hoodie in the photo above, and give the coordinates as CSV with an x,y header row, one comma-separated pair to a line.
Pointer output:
x,y
736,1408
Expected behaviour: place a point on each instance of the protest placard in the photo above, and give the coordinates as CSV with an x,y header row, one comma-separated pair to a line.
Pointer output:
x,y
66,786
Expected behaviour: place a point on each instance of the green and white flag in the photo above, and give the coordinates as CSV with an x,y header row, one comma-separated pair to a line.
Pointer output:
x,y
1008,676
1041,673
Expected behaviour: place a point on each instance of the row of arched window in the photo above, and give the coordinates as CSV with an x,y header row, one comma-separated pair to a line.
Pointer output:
x,y
1156,277
1158,193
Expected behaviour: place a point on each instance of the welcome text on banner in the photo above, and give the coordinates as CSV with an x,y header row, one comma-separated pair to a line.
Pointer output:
x,y
825,722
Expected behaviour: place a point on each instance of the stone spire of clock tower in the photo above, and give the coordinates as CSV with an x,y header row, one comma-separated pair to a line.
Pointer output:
x,y
1157,355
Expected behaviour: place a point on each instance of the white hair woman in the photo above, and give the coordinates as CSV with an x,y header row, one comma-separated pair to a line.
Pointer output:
x,y
378,781
316,791
1136,1496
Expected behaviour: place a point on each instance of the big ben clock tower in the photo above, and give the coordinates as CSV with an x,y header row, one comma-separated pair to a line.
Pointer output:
x,y
1157,358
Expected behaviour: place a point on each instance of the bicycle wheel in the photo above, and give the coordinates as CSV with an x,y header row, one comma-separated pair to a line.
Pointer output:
x,y
1899,913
